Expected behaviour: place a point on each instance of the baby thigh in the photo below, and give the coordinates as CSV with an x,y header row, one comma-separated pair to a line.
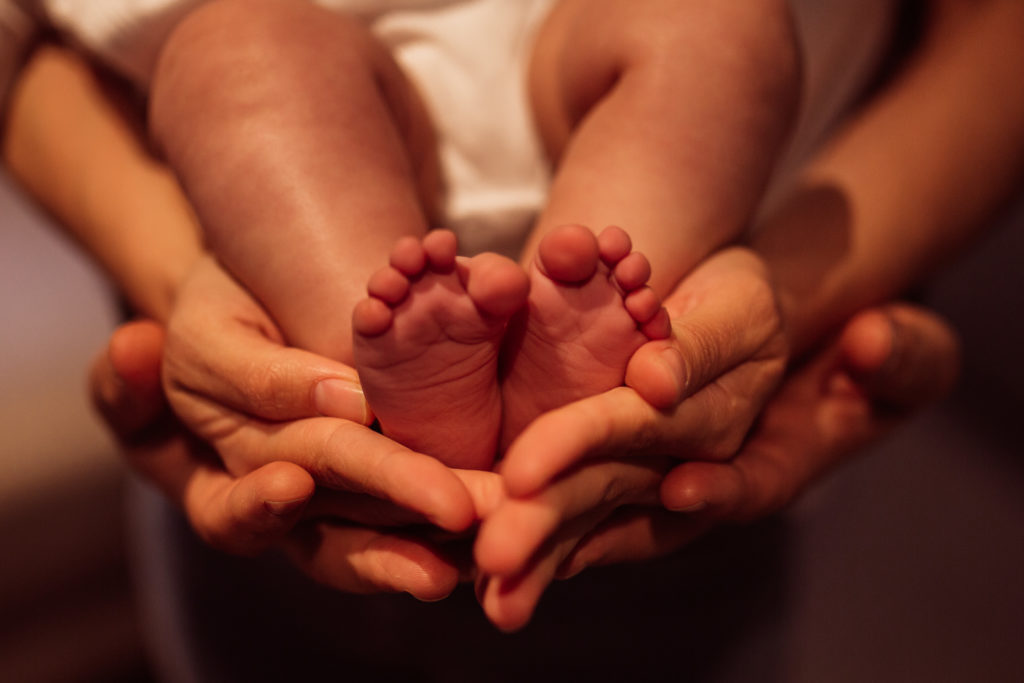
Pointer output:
x,y
304,150
664,117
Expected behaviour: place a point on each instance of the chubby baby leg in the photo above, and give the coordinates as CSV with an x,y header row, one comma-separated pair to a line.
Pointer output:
x,y
304,150
426,346
664,117
589,310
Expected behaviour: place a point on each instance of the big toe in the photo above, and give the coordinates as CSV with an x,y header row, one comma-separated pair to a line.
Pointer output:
x,y
569,253
496,284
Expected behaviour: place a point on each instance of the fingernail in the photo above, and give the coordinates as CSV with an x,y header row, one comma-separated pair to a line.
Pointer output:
x,y
341,398
283,508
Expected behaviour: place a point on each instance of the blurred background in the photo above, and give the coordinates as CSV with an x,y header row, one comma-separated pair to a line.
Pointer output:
x,y
66,609
905,565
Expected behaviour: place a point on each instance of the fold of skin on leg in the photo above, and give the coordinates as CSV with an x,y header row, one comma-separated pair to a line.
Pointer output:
x,y
304,150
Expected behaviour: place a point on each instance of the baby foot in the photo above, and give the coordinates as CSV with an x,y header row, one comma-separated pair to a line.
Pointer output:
x,y
426,345
588,310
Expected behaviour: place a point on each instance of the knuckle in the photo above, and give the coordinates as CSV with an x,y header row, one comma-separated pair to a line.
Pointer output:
x,y
701,354
264,386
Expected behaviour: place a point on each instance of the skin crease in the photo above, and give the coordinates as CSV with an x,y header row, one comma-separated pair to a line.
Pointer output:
x,y
739,491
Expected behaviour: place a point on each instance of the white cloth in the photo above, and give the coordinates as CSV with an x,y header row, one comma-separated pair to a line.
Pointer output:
x,y
468,59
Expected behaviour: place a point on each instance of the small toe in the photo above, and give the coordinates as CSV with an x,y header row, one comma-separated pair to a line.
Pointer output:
x,y
440,246
569,253
642,304
497,285
658,327
632,272
408,256
389,285
371,317
614,245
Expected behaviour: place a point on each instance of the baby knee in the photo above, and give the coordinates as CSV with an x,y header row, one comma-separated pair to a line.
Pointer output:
x,y
225,32
239,50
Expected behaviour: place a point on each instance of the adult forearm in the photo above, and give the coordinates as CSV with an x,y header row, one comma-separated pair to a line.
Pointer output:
x,y
80,155
911,179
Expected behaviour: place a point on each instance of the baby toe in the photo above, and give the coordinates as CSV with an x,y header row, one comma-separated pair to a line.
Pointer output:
x,y
408,256
371,317
632,272
614,245
642,304
569,253
389,285
497,285
440,247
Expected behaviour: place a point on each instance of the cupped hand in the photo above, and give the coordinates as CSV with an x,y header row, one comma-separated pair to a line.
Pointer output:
x,y
250,513
233,383
692,396
885,364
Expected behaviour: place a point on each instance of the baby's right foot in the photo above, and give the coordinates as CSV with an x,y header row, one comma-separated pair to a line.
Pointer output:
x,y
588,311
426,345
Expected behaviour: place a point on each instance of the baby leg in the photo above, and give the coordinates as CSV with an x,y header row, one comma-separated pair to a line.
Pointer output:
x,y
664,117
589,310
426,347
304,150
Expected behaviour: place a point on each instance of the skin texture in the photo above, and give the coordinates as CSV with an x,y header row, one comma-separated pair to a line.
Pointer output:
x,y
427,343
304,175
739,488
589,309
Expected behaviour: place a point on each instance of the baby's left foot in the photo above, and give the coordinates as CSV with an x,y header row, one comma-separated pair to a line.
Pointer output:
x,y
589,310
426,346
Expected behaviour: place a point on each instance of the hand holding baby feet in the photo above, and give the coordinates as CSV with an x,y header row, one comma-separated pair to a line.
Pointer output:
x,y
426,345
589,309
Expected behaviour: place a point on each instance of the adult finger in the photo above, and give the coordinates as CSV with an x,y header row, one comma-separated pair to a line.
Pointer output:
x,y
903,355
485,489
723,314
827,409
347,456
514,532
510,601
222,346
809,424
362,560
125,378
242,516
711,424
634,535
725,359
249,514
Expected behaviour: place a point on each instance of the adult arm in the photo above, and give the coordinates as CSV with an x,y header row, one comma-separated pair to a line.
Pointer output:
x,y
909,181
72,142
895,193
82,158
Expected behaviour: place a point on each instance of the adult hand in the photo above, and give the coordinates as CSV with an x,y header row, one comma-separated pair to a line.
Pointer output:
x,y
238,515
231,380
725,357
694,395
244,382
885,364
